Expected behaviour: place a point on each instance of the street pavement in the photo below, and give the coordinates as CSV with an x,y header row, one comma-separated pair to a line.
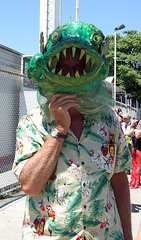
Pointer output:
x,y
12,212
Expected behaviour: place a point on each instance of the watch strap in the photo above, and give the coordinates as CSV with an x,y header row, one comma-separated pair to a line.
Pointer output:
x,y
61,135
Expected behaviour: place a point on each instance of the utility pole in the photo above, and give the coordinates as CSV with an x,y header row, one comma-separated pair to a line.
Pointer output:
x,y
116,29
50,16
77,10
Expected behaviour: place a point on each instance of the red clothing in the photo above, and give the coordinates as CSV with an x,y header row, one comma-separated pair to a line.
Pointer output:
x,y
135,174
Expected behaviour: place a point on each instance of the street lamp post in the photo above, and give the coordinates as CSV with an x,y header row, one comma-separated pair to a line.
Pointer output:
x,y
77,10
116,29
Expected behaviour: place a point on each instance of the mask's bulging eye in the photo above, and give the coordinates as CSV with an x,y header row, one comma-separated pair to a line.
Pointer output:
x,y
96,38
55,37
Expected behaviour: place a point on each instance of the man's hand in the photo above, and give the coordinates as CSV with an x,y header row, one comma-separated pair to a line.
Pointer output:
x,y
59,107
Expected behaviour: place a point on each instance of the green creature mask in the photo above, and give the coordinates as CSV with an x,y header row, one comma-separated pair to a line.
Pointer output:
x,y
73,61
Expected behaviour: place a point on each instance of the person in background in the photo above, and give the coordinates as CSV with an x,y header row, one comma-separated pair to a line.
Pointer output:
x,y
135,133
119,115
118,112
126,129
120,120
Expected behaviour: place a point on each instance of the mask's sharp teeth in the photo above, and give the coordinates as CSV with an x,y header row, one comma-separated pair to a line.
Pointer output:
x,y
84,73
73,51
60,73
53,70
64,52
68,75
49,62
77,74
87,58
58,56
81,54
92,63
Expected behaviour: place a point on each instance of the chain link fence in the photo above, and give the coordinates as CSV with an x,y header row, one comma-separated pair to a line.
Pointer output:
x,y
10,86
15,100
17,96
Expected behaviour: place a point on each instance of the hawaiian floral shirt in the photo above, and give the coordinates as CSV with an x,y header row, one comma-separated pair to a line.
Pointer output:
x,y
78,201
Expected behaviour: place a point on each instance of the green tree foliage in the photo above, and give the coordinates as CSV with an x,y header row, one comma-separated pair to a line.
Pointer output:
x,y
128,61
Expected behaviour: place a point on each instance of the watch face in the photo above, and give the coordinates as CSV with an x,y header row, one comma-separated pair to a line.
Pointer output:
x,y
54,133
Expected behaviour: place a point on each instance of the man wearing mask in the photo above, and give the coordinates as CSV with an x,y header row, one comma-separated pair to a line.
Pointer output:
x,y
74,155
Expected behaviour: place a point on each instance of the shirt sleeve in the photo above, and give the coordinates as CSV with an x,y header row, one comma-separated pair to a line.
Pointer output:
x,y
28,142
123,155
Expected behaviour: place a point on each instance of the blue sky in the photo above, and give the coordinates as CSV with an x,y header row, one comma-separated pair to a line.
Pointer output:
x,y
19,19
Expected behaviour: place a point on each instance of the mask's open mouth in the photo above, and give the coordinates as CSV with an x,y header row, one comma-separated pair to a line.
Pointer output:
x,y
71,62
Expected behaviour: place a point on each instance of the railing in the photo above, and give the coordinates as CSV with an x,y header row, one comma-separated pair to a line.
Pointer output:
x,y
133,112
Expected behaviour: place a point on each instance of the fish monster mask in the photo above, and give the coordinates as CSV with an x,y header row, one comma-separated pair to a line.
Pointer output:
x,y
73,61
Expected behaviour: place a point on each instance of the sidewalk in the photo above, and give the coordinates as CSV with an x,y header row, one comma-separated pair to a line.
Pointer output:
x,y
136,209
12,212
11,217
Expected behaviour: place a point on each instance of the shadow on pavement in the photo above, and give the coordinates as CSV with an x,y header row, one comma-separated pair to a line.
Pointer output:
x,y
12,198
136,208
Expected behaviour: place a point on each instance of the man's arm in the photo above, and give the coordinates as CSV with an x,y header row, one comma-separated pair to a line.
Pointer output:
x,y
138,133
138,130
40,167
120,186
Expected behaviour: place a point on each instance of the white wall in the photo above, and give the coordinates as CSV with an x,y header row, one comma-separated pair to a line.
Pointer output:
x,y
28,101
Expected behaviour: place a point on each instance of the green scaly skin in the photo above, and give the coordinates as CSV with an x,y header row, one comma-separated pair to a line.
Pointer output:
x,y
92,48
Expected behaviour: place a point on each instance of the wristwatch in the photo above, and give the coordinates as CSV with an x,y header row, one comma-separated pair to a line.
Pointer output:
x,y
56,134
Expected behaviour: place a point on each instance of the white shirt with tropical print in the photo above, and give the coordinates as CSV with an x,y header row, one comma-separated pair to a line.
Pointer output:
x,y
78,201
